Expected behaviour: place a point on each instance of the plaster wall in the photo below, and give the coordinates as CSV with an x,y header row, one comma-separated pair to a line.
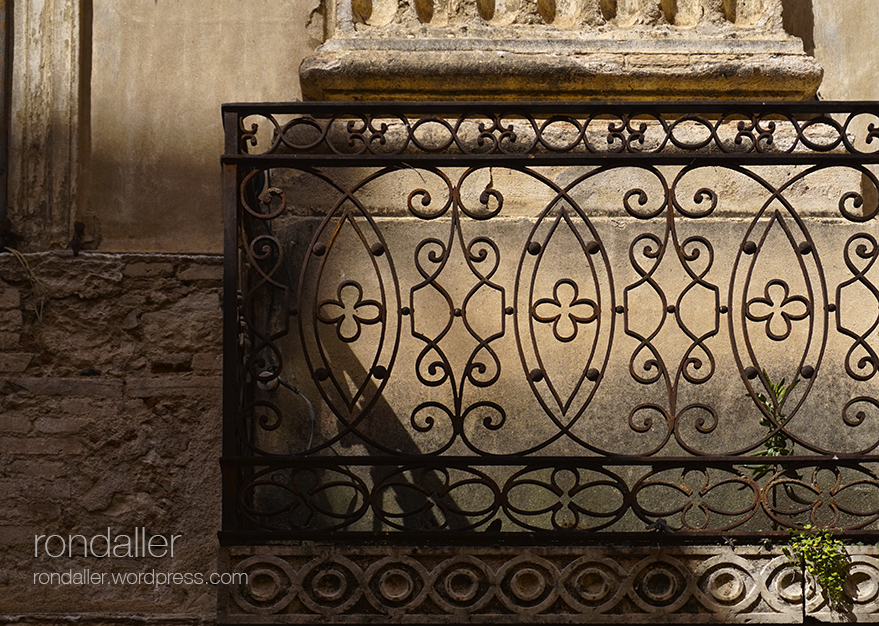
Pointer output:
x,y
845,34
160,71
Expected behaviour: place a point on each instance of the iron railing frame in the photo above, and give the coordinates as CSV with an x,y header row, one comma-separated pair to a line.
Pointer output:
x,y
237,162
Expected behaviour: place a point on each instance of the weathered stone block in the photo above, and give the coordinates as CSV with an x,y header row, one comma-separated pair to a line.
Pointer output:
x,y
15,424
11,320
18,535
9,341
71,387
85,277
33,445
130,322
192,323
200,272
207,361
29,512
15,363
10,297
171,386
57,426
26,467
146,269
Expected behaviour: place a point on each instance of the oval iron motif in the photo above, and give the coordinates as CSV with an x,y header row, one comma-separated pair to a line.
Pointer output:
x,y
564,305
778,295
351,336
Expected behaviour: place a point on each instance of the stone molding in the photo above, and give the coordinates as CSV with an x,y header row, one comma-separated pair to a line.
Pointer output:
x,y
557,50
541,585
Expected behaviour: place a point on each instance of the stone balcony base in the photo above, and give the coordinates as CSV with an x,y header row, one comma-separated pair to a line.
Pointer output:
x,y
539,585
634,68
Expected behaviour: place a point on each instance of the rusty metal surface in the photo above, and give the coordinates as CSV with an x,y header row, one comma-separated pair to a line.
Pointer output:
x,y
465,375
5,90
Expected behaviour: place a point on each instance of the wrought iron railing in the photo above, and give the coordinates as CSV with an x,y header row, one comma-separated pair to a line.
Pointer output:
x,y
550,322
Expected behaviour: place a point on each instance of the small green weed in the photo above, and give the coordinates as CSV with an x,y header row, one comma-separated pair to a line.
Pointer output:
x,y
825,557
778,444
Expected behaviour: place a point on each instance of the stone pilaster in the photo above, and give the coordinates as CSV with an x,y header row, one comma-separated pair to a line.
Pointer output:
x,y
44,130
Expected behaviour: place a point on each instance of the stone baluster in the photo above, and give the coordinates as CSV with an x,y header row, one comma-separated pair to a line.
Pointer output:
x,y
764,14
689,13
571,14
639,12
460,12
588,13
344,17
505,12
428,12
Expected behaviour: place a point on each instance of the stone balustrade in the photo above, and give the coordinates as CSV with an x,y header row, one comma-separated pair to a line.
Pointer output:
x,y
762,15
558,50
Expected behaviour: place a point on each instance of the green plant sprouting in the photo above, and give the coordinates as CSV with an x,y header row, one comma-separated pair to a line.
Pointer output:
x,y
778,443
824,556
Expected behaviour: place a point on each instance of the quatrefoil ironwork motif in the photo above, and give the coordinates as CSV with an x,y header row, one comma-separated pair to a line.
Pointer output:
x,y
565,313
781,307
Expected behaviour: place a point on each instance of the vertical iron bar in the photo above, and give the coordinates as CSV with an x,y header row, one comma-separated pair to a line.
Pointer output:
x,y
230,326
6,37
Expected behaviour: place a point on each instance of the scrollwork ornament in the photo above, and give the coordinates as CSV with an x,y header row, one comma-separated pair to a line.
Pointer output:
x,y
423,420
481,372
544,131
425,200
765,135
264,198
705,424
861,360
268,416
487,196
744,134
357,130
854,416
494,420
644,422
691,366
705,198
616,133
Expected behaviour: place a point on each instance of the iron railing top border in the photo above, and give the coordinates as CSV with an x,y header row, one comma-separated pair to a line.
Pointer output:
x,y
428,460
549,537
454,155
553,107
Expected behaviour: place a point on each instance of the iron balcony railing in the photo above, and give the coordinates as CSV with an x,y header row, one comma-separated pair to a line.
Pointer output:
x,y
550,322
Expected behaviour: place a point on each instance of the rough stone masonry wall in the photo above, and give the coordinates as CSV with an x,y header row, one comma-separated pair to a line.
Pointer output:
x,y
109,417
